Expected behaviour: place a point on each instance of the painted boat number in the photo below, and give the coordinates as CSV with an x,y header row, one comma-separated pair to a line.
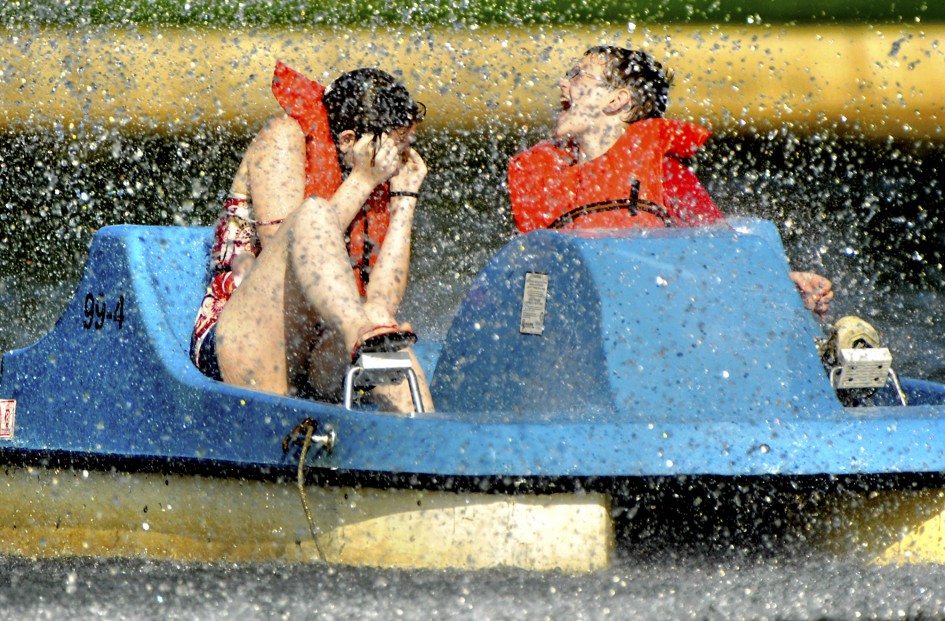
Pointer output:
x,y
97,311
534,299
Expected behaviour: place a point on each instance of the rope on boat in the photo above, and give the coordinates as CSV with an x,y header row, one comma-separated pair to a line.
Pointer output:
x,y
327,440
309,432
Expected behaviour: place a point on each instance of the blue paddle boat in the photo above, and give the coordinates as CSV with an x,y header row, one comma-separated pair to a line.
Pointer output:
x,y
580,370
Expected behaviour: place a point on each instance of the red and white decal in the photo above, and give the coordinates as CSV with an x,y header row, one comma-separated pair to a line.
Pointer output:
x,y
7,418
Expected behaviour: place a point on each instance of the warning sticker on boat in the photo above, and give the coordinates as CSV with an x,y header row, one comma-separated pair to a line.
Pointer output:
x,y
7,418
534,299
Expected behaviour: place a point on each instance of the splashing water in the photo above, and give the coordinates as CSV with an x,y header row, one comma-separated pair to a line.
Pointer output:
x,y
853,204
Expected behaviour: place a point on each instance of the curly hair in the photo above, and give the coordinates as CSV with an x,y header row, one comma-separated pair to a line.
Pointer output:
x,y
641,74
369,101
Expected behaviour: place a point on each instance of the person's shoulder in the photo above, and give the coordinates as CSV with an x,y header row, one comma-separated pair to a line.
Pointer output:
x,y
684,138
283,124
546,151
548,146
282,131
678,139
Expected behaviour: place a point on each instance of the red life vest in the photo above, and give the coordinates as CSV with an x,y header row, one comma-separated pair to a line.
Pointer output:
x,y
622,188
301,98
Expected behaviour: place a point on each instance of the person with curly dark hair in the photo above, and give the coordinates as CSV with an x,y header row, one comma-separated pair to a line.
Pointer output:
x,y
324,199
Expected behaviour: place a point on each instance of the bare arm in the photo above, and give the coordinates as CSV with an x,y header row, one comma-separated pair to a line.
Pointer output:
x,y
388,281
369,170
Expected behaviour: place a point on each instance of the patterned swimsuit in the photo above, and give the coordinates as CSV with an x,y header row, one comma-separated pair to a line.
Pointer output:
x,y
235,245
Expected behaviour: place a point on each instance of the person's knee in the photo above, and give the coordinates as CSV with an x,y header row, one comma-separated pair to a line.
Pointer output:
x,y
379,314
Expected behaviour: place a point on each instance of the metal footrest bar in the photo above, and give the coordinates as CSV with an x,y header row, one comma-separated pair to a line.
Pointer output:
x,y
380,369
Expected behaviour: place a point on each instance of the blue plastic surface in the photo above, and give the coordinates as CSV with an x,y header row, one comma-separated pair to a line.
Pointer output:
x,y
663,353
645,325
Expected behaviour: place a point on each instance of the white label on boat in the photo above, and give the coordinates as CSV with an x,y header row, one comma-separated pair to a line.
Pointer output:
x,y
7,418
534,299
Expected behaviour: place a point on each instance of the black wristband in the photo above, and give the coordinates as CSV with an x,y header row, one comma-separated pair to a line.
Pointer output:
x,y
410,194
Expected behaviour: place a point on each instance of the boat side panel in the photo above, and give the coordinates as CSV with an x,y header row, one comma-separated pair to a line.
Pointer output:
x,y
114,376
707,327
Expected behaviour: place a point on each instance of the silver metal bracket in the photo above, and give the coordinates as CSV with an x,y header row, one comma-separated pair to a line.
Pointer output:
x,y
381,369
326,440
869,367
861,368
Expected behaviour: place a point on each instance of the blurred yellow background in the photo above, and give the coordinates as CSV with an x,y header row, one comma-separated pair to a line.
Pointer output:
x,y
877,81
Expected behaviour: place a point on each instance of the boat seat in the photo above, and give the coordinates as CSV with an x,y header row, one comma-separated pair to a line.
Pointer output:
x,y
683,323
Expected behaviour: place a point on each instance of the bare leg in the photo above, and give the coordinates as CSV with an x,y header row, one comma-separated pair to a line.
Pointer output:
x,y
321,269
332,290
298,313
300,282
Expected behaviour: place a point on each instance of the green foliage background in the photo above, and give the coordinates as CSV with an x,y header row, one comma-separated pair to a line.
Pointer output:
x,y
274,13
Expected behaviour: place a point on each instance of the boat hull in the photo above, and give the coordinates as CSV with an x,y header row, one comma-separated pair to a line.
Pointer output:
x,y
667,358
50,512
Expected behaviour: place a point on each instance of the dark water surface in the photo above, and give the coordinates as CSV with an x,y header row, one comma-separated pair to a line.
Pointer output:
x,y
866,214
80,590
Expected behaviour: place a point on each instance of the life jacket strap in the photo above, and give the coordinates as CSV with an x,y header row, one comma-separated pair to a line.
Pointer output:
x,y
633,205
628,204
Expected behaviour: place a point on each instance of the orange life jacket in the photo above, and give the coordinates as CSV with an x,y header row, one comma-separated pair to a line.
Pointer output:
x,y
622,188
301,98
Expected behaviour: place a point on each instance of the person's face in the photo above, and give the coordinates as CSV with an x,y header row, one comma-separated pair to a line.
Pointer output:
x,y
402,137
584,93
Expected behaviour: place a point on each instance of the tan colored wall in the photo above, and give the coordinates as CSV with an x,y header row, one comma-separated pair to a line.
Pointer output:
x,y
880,81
